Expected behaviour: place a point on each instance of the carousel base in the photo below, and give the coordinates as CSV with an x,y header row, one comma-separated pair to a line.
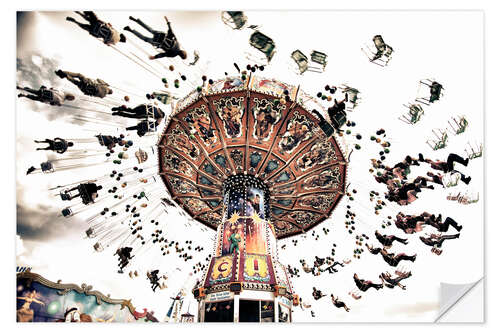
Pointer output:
x,y
246,306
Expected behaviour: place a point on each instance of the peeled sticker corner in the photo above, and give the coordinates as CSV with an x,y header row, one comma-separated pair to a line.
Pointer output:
x,y
451,296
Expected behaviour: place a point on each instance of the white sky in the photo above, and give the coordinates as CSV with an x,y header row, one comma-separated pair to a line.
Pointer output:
x,y
446,46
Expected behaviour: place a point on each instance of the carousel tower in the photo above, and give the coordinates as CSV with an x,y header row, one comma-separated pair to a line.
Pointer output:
x,y
247,158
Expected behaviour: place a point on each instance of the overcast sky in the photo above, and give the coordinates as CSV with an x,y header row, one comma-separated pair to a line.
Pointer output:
x,y
451,54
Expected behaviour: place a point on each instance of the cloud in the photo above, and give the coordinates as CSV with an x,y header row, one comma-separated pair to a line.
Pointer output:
x,y
412,309
42,223
35,70
20,249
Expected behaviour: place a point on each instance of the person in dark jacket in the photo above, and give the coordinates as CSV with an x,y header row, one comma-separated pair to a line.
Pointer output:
x,y
143,127
58,145
437,240
391,258
387,240
338,303
167,42
364,285
48,96
90,87
87,191
448,166
98,28
139,112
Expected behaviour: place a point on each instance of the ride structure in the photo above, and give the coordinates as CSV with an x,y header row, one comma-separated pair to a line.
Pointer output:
x,y
245,158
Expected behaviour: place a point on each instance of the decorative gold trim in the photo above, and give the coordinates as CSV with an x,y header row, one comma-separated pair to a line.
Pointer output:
x,y
84,289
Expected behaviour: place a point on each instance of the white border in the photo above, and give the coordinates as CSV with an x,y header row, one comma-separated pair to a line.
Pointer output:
x,y
492,58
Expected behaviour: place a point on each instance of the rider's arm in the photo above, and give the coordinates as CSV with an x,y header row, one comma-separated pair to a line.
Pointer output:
x,y
159,55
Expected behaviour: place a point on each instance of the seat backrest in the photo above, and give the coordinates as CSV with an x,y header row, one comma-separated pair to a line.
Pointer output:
x,y
298,56
301,60
263,43
379,43
239,19
260,41
46,166
319,57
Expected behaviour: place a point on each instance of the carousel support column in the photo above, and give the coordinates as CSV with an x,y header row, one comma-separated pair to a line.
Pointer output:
x,y
201,312
236,305
276,311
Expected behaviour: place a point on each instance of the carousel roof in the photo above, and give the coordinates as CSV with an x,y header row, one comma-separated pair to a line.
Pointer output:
x,y
237,126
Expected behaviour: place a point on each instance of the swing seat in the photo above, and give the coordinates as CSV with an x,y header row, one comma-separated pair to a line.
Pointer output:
x,y
352,96
64,195
379,43
414,118
338,119
388,52
98,247
164,98
433,94
319,58
151,126
440,144
196,58
47,167
379,53
90,232
67,212
141,156
461,130
301,60
414,114
264,44
435,91
234,19
150,118
474,154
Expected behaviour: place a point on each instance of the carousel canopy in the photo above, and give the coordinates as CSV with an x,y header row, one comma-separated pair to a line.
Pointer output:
x,y
258,127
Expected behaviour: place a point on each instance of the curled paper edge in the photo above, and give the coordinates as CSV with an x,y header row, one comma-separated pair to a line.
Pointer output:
x,y
451,294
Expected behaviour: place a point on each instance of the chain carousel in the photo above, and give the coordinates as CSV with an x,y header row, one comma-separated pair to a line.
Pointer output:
x,y
246,157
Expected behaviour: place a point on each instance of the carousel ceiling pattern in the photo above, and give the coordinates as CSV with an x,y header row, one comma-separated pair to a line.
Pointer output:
x,y
236,127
